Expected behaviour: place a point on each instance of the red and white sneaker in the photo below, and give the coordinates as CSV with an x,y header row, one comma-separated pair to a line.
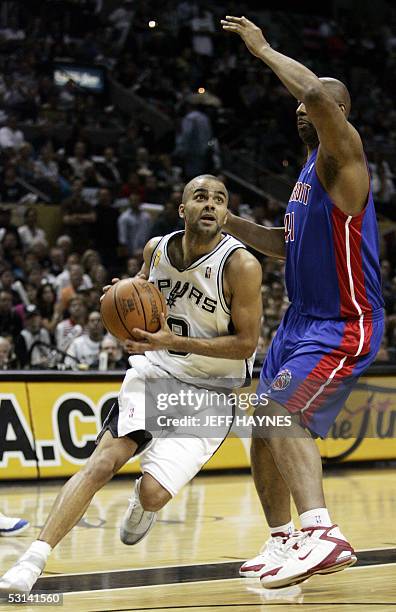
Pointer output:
x,y
314,550
270,556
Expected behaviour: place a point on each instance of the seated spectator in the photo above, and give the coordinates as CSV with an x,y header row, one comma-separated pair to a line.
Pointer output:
x,y
72,327
32,345
7,359
85,349
56,263
30,233
10,137
90,258
46,172
111,356
7,281
99,276
65,243
108,168
10,188
63,279
169,220
76,282
134,228
78,218
25,163
49,309
5,222
79,163
10,322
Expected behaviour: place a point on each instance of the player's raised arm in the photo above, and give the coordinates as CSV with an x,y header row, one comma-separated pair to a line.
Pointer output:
x,y
267,240
327,103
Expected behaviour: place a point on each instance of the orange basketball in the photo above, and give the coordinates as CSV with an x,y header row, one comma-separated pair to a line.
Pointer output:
x,y
130,303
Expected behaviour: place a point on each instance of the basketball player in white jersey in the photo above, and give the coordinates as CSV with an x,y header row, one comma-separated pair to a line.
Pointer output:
x,y
212,285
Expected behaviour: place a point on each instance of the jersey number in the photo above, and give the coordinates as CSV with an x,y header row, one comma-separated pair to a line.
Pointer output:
x,y
180,327
289,227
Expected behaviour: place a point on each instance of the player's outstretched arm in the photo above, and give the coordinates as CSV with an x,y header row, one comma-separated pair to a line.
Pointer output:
x,y
267,240
340,144
242,284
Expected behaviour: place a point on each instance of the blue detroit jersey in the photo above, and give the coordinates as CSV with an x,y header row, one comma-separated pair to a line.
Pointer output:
x,y
332,259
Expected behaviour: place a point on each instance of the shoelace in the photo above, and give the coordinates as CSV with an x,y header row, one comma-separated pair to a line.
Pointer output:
x,y
296,542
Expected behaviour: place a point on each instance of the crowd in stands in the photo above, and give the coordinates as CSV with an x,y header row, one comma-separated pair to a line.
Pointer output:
x,y
110,196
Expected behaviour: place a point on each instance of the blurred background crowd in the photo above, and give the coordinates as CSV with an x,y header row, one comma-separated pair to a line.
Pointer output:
x,y
108,107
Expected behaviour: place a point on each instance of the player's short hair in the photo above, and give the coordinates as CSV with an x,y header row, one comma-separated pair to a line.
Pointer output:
x,y
190,184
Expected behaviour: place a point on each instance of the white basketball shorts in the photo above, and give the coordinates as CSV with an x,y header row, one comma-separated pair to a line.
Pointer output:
x,y
173,458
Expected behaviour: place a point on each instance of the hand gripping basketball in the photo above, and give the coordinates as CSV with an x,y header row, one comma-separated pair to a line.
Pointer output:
x,y
131,303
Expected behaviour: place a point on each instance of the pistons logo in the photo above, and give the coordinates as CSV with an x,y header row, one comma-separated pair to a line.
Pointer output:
x,y
282,381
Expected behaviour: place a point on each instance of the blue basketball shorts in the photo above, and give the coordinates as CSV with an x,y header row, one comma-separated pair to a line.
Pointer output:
x,y
313,364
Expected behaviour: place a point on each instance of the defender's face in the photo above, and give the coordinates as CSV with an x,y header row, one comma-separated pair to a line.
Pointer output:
x,y
205,211
305,127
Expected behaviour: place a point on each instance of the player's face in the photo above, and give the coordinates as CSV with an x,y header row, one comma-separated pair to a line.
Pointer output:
x,y
205,209
305,127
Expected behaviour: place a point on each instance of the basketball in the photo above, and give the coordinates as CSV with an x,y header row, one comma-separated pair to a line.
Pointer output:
x,y
132,303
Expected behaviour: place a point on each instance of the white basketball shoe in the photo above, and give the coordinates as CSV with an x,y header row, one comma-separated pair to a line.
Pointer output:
x,y
22,576
270,556
315,550
10,526
137,521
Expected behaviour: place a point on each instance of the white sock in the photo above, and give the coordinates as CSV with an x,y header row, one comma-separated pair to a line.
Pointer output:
x,y
286,528
314,517
40,548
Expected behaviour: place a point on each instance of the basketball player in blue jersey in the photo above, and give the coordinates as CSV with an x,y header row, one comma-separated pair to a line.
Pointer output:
x,y
333,327
212,286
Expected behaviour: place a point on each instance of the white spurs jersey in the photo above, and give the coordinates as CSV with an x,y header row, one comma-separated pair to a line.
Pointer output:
x,y
197,308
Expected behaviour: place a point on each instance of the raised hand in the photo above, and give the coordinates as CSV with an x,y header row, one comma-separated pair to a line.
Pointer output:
x,y
251,34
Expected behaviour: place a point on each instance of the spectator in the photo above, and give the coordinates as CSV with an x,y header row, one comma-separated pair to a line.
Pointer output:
x,y
48,307
25,164
78,218
63,279
5,222
7,281
10,322
192,142
10,189
76,282
108,168
85,349
110,356
65,243
32,346
7,362
30,233
169,220
134,227
79,162
72,327
10,137
47,175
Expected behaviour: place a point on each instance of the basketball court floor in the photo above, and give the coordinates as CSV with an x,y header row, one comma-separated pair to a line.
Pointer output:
x,y
190,560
